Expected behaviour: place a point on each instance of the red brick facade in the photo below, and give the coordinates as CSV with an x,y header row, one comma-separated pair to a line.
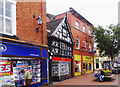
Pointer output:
x,y
81,35
26,24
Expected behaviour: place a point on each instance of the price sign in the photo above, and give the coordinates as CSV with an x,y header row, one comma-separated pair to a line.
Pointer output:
x,y
5,68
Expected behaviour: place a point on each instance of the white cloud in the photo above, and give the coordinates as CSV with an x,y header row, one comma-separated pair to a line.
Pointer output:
x,y
98,12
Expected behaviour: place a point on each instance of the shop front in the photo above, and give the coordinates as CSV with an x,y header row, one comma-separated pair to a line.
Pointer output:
x,y
77,61
16,59
88,64
61,68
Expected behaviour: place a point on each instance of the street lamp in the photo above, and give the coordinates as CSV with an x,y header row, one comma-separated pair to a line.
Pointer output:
x,y
39,21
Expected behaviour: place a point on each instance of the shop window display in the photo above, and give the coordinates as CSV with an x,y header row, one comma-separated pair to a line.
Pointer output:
x,y
60,68
77,66
13,70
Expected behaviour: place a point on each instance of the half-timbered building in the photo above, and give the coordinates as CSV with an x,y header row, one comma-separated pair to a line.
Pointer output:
x,y
60,42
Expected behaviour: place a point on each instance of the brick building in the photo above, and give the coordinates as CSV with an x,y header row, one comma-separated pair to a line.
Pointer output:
x,y
83,56
23,42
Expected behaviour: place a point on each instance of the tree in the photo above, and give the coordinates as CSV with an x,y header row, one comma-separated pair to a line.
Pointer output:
x,y
108,39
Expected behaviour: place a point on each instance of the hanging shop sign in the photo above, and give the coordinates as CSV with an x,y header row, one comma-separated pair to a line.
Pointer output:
x,y
5,68
18,50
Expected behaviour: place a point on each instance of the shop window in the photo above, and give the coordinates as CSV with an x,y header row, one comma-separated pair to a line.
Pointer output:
x,y
60,67
97,63
77,43
14,69
77,66
8,17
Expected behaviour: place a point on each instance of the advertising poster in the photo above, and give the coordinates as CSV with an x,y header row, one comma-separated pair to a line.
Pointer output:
x,y
5,68
6,77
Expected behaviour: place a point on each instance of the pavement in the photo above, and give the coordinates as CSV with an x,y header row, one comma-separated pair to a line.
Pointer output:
x,y
87,80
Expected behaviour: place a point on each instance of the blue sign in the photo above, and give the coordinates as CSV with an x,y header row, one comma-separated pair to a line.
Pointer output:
x,y
17,50
44,53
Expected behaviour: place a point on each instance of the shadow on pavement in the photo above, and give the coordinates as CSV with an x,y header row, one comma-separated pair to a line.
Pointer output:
x,y
106,80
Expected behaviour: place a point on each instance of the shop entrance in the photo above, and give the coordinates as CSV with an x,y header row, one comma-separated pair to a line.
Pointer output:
x,y
88,66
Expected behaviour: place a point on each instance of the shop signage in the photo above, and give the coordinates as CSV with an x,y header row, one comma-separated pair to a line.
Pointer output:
x,y
3,48
17,50
87,58
5,68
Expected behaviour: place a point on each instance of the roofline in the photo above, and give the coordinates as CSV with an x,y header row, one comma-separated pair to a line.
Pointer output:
x,y
80,16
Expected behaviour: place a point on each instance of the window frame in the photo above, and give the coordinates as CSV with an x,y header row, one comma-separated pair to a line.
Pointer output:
x,y
84,29
90,47
77,43
77,25
12,17
89,32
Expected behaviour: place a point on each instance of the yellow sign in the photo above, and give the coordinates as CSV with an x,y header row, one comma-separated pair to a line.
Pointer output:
x,y
77,57
88,58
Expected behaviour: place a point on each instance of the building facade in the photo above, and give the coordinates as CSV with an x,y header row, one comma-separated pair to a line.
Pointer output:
x,y
23,42
60,42
99,58
83,56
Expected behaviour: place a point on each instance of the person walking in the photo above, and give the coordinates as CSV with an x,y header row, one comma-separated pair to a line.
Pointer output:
x,y
28,77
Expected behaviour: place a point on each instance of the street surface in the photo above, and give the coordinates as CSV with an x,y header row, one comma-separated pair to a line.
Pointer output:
x,y
87,79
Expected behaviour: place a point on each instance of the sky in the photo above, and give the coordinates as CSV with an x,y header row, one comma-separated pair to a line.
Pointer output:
x,y
97,12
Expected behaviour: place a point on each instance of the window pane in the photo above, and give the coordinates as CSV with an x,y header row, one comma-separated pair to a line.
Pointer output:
x,y
76,24
8,5
8,13
84,29
8,9
1,11
8,26
1,3
1,24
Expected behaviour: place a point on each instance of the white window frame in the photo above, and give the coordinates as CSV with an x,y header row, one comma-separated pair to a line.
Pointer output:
x,y
12,18
90,47
84,29
89,31
76,24
77,43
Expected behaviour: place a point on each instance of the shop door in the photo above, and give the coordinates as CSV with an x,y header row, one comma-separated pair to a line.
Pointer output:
x,y
44,71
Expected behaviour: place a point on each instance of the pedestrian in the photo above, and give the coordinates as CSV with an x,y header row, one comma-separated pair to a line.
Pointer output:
x,y
28,77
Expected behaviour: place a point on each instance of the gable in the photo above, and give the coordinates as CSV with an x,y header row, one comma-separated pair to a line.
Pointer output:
x,y
63,31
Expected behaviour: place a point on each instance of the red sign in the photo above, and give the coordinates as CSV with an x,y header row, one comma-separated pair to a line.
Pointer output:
x,y
61,59
5,68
